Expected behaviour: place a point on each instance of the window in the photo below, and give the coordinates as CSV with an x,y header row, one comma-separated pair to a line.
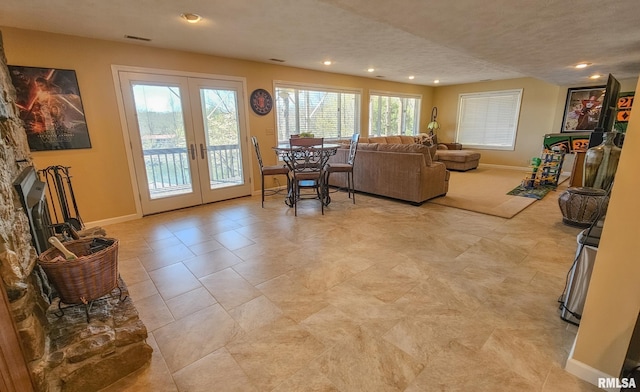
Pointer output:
x,y
393,114
323,111
489,120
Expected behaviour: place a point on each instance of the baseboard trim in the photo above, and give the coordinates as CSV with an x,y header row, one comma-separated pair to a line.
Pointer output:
x,y
587,373
491,165
584,371
276,188
112,221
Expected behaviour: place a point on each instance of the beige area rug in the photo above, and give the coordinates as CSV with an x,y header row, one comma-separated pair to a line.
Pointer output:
x,y
485,190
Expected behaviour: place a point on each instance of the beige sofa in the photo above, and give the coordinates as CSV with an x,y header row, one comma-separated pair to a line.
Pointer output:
x,y
451,154
400,171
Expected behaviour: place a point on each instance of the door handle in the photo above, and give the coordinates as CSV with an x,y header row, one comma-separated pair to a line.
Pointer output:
x,y
193,151
202,150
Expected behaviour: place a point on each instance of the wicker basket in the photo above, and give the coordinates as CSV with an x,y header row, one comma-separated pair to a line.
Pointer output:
x,y
81,280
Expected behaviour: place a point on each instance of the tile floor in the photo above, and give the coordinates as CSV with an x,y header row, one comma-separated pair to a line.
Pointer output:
x,y
377,296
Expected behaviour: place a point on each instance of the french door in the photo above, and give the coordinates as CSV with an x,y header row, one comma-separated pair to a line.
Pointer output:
x,y
188,139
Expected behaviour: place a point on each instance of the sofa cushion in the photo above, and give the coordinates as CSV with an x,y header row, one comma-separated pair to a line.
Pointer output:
x,y
394,139
411,148
367,146
377,139
407,139
461,160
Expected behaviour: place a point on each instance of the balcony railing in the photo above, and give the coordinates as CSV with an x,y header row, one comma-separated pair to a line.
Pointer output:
x,y
168,169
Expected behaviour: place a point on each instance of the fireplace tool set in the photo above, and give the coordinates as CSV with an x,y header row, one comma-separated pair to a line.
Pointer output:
x,y
82,269
62,198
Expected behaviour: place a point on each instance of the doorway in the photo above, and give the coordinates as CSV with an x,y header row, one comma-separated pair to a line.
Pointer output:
x,y
188,138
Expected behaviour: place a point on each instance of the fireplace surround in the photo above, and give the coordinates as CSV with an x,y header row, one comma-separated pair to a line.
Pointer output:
x,y
59,353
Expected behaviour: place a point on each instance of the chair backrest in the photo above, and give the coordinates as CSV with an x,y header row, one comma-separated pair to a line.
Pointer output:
x,y
353,147
254,140
307,154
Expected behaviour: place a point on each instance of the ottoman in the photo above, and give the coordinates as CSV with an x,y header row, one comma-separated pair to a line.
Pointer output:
x,y
460,160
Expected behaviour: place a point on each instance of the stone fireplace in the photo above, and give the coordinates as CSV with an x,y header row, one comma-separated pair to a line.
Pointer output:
x,y
65,353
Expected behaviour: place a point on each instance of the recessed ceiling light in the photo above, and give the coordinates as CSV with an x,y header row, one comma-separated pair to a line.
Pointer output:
x,y
596,76
370,69
191,18
327,62
411,77
436,81
582,65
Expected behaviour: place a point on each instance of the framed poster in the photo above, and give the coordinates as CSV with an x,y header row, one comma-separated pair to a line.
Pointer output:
x,y
50,107
582,109
624,106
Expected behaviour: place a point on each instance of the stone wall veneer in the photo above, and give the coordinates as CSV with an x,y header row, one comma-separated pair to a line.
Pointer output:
x,y
63,353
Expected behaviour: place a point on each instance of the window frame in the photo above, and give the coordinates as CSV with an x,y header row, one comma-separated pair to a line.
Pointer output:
x,y
515,118
401,96
319,88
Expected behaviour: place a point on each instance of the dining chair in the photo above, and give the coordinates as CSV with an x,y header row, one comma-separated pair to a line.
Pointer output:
x,y
346,167
268,170
306,161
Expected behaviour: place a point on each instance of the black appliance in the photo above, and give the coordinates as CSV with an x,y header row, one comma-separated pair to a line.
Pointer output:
x,y
32,197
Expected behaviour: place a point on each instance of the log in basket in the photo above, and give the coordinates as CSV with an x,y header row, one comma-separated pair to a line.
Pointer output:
x,y
92,275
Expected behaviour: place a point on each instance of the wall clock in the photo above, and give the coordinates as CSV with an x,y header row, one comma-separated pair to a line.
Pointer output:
x,y
261,101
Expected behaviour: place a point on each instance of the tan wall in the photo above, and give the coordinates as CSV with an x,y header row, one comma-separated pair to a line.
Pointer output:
x,y
537,113
613,300
101,178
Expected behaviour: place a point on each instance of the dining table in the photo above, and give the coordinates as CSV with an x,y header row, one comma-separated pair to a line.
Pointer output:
x,y
289,153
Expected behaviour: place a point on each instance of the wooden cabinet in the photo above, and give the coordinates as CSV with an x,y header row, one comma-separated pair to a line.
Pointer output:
x,y
14,374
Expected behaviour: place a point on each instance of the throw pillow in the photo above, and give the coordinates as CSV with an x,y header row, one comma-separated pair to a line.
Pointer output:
x,y
394,139
425,139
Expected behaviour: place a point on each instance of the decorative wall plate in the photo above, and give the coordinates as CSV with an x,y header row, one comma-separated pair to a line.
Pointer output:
x,y
261,101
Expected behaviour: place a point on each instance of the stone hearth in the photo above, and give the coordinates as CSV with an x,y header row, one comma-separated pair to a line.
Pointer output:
x,y
63,353
88,356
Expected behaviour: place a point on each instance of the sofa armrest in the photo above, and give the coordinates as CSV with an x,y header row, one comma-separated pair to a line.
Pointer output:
x,y
390,174
434,180
451,146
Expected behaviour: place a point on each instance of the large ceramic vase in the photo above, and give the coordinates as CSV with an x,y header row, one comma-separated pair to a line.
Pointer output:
x,y
600,163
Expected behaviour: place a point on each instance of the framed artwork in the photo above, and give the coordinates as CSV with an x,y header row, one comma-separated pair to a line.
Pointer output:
x,y
50,107
625,103
582,109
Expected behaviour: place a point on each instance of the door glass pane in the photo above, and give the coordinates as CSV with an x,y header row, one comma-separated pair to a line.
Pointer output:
x,y
164,145
222,128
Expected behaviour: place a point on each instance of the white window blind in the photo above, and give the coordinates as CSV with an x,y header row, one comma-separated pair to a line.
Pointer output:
x,y
322,111
489,120
393,114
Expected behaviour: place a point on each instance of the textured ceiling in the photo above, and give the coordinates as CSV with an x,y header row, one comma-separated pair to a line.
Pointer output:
x,y
454,41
